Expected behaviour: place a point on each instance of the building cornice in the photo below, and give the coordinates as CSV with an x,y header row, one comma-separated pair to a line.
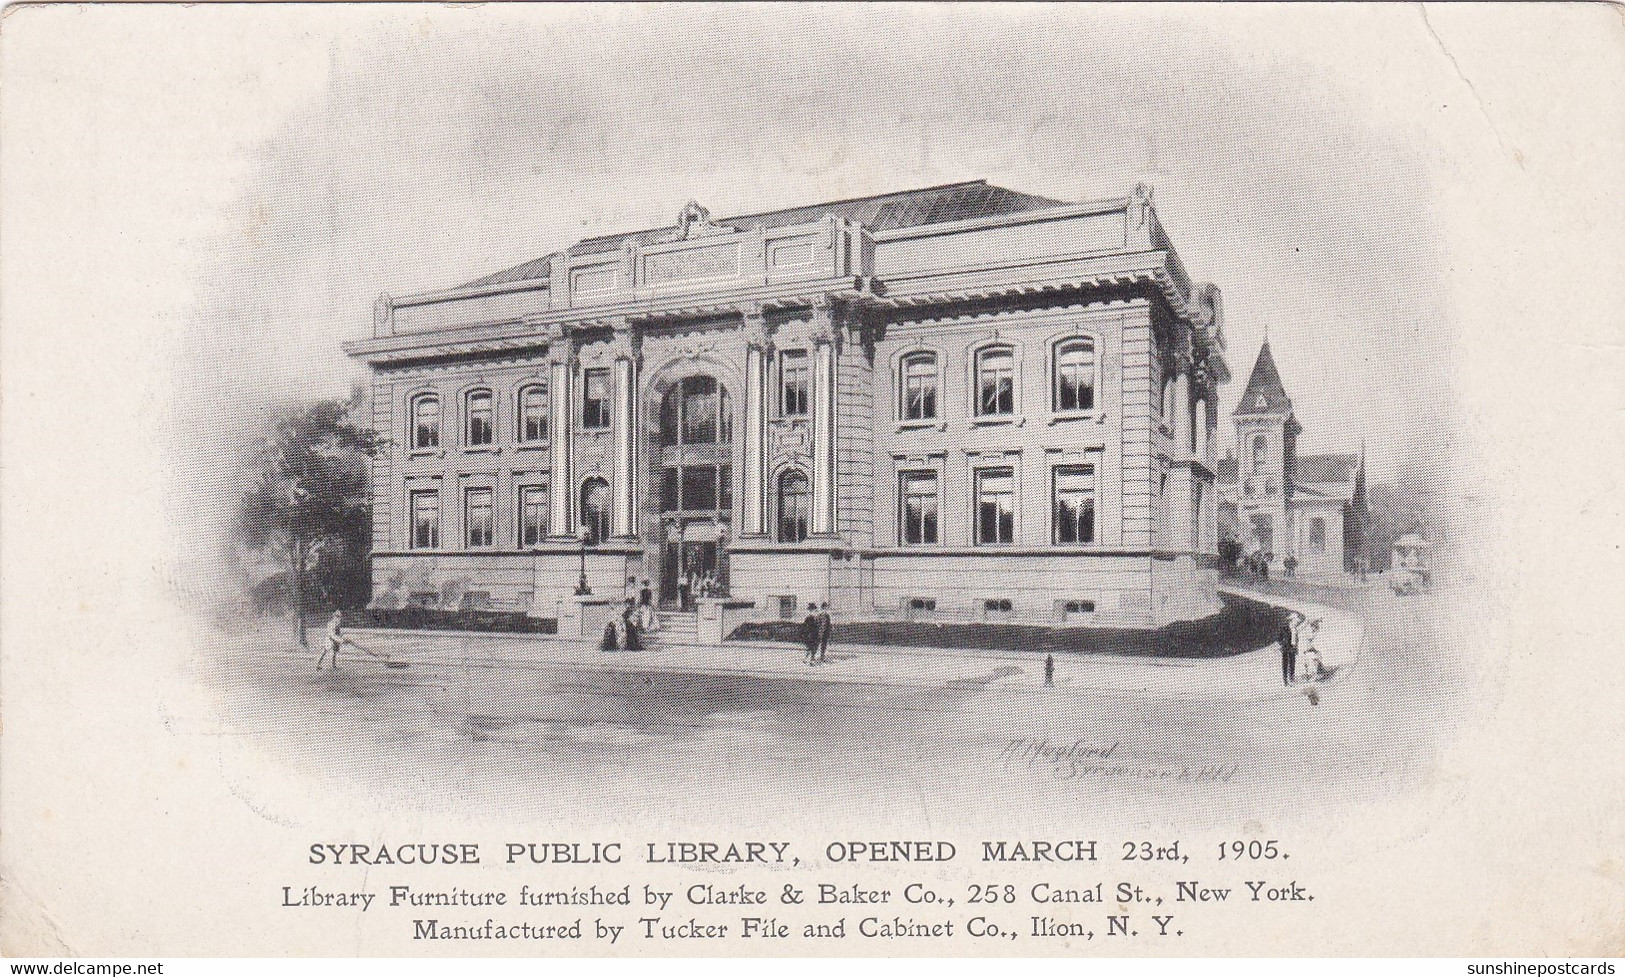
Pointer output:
x,y
538,330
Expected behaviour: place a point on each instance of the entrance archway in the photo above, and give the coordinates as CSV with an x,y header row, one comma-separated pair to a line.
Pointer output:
x,y
692,479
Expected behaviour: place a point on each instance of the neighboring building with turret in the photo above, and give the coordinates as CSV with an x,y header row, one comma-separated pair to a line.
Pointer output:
x,y
1276,502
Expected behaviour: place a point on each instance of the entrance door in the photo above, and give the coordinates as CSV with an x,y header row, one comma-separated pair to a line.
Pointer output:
x,y
687,562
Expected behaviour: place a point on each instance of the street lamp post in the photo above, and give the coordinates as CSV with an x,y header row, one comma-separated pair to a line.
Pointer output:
x,y
582,587
722,561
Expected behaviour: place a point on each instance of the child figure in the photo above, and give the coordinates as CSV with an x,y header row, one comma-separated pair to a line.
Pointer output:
x,y
1308,654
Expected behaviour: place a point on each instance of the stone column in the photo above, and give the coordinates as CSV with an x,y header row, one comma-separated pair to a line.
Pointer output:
x,y
1201,428
823,426
1182,411
756,357
624,488
561,487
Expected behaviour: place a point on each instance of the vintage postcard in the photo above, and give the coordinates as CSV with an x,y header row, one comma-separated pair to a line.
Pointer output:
x,y
812,481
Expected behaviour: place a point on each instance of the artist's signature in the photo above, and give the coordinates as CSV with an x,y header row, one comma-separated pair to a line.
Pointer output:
x,y
1080,759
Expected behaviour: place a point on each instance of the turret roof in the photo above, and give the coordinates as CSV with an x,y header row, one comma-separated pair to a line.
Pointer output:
x,y
1265,394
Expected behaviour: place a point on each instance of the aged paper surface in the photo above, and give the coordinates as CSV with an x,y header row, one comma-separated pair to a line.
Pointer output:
x,y
1418,207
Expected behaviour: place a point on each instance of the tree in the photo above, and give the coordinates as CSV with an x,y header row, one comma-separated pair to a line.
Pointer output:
x,y
308,512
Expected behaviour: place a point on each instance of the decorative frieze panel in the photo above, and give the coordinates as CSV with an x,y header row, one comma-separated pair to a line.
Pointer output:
x,y
697,264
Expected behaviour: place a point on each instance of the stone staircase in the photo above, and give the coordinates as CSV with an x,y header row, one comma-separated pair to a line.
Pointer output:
x,y
676,628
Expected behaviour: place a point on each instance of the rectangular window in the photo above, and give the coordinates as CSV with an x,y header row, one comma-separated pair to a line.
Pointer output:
x,y
1074,504
699,487
480,427
919,512
725,487
995,506
478,517
996,382
699,413
670,500
795,380
532,514
1317,536
533,413
920,387
595,399
425,520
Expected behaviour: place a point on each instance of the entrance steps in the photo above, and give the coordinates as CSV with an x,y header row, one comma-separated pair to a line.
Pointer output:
x,y
676,628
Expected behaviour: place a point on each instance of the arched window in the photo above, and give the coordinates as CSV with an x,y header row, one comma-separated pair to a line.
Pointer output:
x,y
425,421
595,508
1261,452
480,428
1317,535
795,507
532,417
919,387
996,381
1075,375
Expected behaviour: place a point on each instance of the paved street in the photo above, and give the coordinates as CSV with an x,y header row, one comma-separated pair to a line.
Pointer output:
x,y
516,724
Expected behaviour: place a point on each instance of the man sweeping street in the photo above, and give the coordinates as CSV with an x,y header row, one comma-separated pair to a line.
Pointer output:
x,y
335,637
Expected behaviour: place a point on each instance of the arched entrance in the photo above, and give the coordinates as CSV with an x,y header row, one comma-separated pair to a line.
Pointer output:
x,y
692,465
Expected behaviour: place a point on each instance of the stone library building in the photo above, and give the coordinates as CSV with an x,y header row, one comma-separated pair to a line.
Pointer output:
x,y
960,403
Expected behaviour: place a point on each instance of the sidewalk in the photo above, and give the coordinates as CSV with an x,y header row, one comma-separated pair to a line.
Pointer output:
x,y
1341,634
1249,676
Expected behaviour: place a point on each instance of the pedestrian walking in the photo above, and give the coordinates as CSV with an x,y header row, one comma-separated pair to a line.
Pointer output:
x,y
809,634
335,637
646,595
1287,638
825,628
1049,671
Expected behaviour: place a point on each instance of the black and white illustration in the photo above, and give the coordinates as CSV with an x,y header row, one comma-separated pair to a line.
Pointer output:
x,y
774,425
1071,477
